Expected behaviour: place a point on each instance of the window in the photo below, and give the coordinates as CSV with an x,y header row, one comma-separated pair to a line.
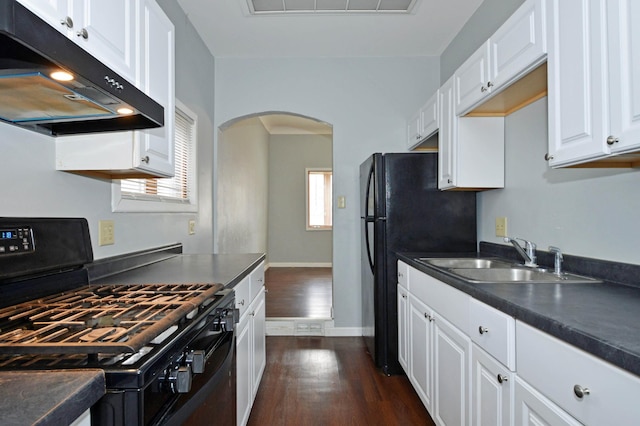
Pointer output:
x,y
176,194
319,199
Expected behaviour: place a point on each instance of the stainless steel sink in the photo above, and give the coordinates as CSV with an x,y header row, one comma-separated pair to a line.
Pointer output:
x,y
517,275
491,270
462,262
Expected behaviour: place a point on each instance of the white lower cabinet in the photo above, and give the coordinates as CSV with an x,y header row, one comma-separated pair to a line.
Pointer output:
x,y
438,355
492,389
451,360
250,343
420,354
403,342
512,373
531,408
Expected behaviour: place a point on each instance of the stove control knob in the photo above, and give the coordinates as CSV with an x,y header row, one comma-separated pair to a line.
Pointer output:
x,y
195,359
179,379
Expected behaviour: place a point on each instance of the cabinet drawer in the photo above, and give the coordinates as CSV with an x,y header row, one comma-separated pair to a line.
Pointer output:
x,y
447,301
493,331
243,300
257,280
403,274
555,368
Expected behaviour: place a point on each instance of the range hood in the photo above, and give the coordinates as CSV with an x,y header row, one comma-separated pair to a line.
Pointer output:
x,y
96,99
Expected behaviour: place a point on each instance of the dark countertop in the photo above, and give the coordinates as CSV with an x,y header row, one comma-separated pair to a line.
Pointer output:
x,y
48,397
599,318
227,269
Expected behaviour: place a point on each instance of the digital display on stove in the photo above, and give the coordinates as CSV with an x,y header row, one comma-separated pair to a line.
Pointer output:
x,y
8,234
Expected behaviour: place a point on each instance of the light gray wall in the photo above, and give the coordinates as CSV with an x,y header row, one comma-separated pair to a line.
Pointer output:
x,y
482,24
242,188
585,212
32,187
367,100
289,241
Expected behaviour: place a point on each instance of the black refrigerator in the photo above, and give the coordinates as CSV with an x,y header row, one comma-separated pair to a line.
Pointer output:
x,y
402,210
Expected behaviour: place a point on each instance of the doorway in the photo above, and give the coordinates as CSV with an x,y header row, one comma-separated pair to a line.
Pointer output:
x,y
263,206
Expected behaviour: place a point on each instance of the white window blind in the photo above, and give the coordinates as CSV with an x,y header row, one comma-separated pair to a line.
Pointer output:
x,y
179,188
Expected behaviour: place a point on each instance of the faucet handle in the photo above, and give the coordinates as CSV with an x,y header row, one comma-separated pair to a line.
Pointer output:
x,y
556,251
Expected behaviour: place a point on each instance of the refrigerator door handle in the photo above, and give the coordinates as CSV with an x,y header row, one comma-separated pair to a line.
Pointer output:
x,y
367,242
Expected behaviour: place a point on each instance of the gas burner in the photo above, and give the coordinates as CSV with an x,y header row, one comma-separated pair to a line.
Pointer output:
x,y
102,319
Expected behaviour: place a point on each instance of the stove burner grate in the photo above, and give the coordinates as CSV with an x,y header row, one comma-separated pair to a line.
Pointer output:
x,y
107,319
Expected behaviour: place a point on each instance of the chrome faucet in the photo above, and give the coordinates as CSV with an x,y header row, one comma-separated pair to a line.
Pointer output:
x,y
529,256
557,263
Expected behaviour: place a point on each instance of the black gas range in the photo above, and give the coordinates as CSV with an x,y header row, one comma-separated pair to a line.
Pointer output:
x,y
167,349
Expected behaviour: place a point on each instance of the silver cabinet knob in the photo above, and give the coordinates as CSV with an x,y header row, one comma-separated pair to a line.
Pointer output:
x,y
483,89
83,33
483,330
418,137
404,296
612,139
580,392
67,22
548,157
241,303
501,378
145,159
489,84
448,180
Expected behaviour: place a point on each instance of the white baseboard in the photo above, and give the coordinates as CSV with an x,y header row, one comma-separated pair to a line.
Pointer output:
x,y
308,327
300,265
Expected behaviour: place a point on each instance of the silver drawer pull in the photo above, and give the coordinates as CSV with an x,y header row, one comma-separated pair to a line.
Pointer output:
x,y
502,378
483,330
580,391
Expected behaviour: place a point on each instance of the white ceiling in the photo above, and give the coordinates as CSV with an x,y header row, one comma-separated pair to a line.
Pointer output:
x,y
228,29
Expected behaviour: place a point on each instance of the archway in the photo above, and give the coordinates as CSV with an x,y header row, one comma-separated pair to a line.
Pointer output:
x,y
263,160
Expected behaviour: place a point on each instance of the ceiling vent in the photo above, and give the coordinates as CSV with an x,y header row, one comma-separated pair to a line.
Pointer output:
x,y
269,7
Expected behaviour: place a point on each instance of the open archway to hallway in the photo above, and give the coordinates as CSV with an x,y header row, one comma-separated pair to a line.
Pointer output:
x,y
261,206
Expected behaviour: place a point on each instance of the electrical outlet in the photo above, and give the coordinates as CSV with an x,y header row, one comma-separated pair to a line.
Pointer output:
x,y
342,202
501,226
106,233
192,227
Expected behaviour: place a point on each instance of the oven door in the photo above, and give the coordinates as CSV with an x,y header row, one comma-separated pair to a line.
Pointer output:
x,y
213,392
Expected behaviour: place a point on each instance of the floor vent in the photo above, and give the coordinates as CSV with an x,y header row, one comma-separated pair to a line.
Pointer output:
x,y
296,327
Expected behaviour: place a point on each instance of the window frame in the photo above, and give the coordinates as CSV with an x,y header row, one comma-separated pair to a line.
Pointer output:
x,y
307,171
146,203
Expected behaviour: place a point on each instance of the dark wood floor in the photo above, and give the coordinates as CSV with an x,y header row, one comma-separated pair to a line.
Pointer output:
x,y
331,381
298,292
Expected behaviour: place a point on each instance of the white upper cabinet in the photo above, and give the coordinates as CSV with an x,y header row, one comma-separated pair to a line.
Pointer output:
x,y
424,123
576,65
106,29
624,72
516,48
471,149
143,153
594,83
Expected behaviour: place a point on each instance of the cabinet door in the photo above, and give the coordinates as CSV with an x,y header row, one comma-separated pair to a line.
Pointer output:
x,y
403,327
110,33
259,349
576,67
451,374
155,147
413,131
421,350
429,116
447,136
532,409
54,12
243,369
472,80
624,72
519,44
492,389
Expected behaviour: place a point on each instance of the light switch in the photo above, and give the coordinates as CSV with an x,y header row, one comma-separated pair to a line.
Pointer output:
x,y
501,226
342,202
106,233
192,227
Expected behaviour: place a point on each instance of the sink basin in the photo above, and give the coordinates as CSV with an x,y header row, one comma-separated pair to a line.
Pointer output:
x,y
517,275
462,262
491,270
